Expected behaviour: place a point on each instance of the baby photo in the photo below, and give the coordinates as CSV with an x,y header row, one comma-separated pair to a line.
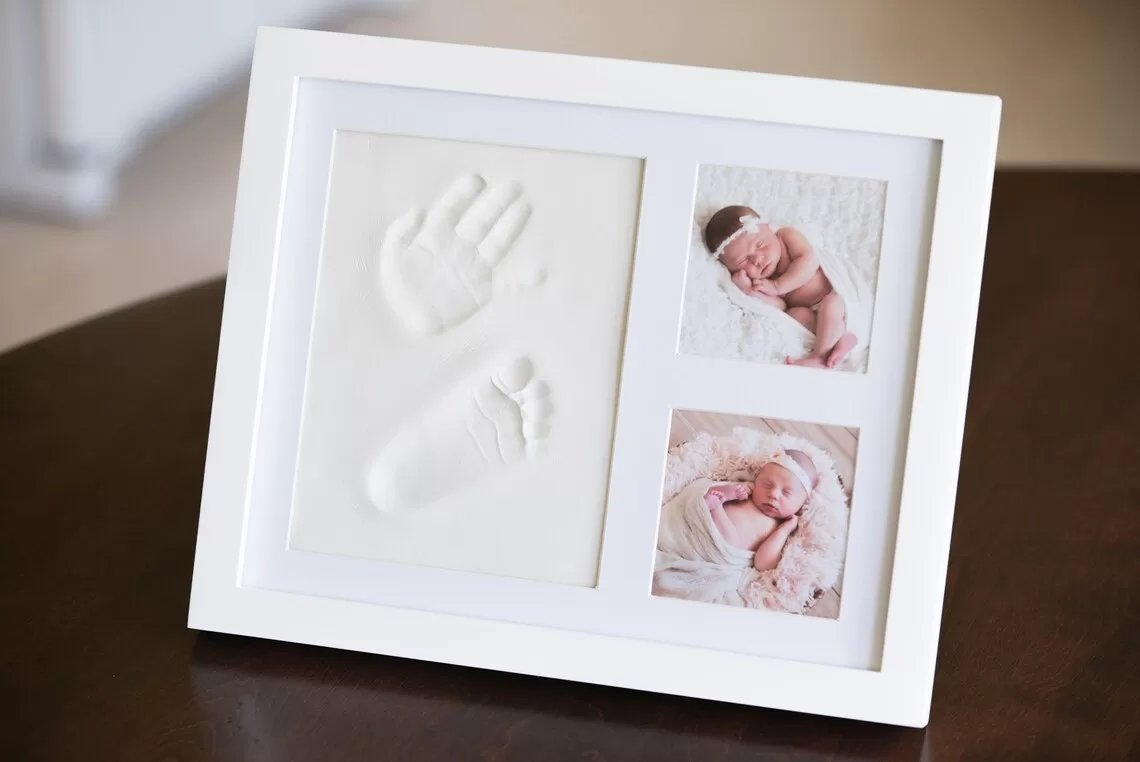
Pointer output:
x,y
754,513
782,267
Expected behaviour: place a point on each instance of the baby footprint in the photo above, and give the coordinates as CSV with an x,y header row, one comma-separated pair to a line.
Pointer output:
x,y
495,421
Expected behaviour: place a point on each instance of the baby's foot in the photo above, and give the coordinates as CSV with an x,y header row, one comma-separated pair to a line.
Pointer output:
x,y
491,422
841,349
811,361
723,493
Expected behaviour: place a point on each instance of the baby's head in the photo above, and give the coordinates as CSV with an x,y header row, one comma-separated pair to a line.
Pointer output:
x,y
736,236
781,491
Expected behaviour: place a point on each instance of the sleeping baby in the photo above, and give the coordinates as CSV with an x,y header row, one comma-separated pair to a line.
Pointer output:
x,y
780,267
715,537
759,517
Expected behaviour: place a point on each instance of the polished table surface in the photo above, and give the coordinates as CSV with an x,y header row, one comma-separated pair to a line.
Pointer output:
x,y
102,440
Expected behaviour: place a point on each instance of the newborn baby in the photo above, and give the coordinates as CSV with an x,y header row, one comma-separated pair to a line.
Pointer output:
x,y
780,267
761,516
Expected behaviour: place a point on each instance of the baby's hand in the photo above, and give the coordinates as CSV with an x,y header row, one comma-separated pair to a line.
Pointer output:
x,y
765,286
791,523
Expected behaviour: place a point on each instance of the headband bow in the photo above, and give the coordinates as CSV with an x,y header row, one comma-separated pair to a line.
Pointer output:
x,y
781,458
749,223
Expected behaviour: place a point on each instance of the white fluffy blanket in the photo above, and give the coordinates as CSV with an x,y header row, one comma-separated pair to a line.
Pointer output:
x,y
813,556
842,218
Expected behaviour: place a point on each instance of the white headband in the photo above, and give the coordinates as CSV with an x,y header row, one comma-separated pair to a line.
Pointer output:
x,y
748,224
781,458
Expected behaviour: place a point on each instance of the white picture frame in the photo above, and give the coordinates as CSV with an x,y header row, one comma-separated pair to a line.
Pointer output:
x,y
884,672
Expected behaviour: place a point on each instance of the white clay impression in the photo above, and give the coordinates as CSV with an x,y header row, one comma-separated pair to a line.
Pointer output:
x,y
493,421
438,269
419,448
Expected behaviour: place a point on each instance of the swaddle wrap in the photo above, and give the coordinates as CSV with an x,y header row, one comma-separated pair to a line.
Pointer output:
x,y
812,559
694,561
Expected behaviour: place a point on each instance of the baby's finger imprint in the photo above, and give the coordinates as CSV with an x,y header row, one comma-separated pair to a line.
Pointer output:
x,y
486,212
403,230
445,213
503,233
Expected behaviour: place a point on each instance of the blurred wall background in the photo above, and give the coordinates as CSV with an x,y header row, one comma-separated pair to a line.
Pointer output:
x,y
85,82
120,120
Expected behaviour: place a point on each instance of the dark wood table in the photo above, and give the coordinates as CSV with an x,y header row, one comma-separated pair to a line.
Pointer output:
x,y
102,440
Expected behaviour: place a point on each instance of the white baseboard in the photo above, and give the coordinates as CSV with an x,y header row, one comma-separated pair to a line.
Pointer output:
x,y
76,179
73,195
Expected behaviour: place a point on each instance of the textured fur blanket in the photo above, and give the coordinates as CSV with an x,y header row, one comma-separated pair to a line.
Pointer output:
x,y
838,215
813,557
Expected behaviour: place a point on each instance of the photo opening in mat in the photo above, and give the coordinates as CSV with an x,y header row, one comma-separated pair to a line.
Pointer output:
x,y
754,513
782,267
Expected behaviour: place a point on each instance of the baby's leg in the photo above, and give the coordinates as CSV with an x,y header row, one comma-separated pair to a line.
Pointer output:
x,y
804,316
841,349
830,325
837,316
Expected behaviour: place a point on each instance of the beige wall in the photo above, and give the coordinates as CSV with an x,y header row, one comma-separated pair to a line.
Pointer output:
x,y
1068,71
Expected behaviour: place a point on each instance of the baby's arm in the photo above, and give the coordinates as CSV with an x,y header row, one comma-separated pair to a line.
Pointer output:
x,y
744,283
768,554
803,261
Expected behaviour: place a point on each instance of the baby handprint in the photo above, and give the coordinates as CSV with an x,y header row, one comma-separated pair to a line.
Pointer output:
x,y
438,269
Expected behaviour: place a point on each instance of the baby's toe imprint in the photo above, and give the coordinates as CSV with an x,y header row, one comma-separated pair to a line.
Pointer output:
x,y
536,408
522,415
515,376
535,391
